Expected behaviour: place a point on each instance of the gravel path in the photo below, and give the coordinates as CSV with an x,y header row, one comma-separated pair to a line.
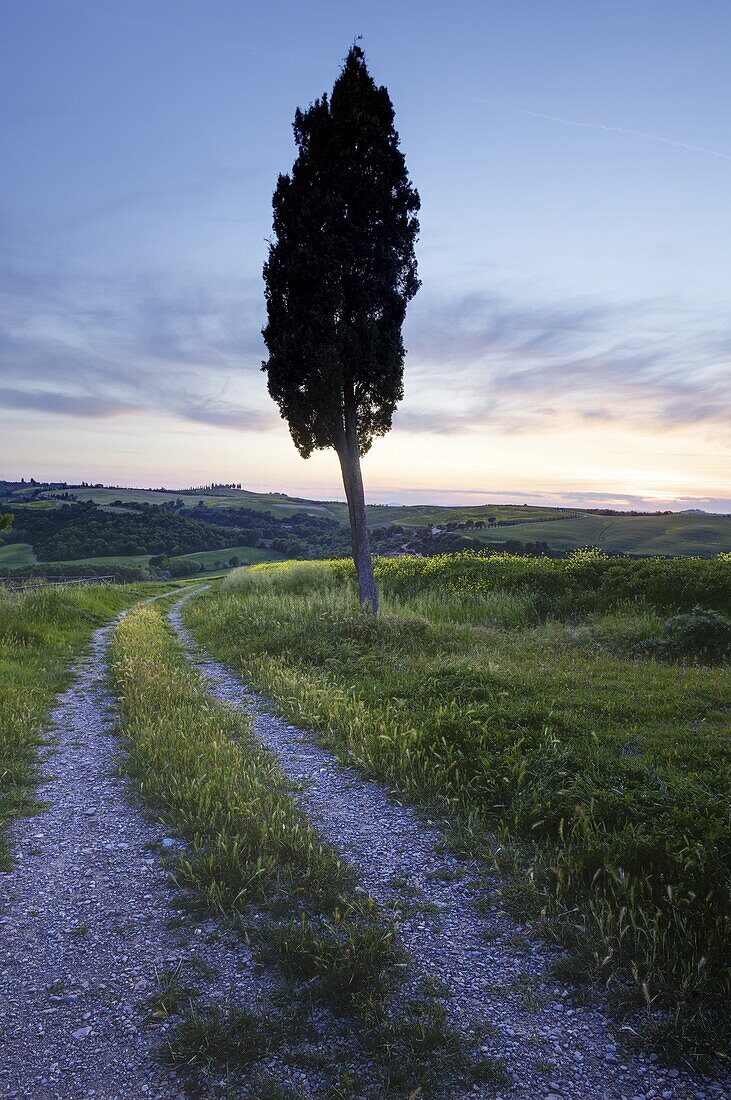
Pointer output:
x,y
85,922
496,974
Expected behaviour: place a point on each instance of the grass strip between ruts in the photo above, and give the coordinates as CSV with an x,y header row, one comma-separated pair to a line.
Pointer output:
x,y
250,850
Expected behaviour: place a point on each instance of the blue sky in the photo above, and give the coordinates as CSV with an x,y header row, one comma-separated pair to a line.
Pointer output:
x,y
572,338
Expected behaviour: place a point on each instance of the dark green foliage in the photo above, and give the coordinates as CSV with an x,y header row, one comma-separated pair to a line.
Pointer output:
x,y
86,531
123,574
339,276
298,535
698,636
179,567
342,267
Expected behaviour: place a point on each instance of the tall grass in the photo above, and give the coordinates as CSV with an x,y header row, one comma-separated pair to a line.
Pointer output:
x,y
586,581
41,632
294,578
197,765
605,771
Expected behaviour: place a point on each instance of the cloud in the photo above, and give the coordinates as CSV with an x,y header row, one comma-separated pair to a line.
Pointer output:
x,y
229,416
525,365
67,404
87,349
478,361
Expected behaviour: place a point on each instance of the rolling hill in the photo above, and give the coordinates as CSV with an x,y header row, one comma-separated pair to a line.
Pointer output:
x,y
674,534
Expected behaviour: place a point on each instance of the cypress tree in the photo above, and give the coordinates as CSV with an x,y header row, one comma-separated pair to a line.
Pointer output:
x,y
340,272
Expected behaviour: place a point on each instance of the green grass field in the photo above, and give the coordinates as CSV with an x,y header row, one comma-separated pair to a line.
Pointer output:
x,y
520,696
568,721
16,553
249,555
675,534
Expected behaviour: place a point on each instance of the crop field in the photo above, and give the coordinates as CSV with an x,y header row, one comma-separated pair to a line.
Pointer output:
x,y
18,553
248,555
674,534
277,503
569,720
219,559
283,505
663,535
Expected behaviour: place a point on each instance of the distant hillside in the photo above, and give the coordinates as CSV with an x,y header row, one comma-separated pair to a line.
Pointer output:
x,y
128,531
278,504
678,534
297,527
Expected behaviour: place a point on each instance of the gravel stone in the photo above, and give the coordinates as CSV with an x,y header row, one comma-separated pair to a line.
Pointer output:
x,y
83,923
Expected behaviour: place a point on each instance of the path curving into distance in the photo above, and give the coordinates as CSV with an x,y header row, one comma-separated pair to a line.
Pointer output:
x,y
84,918
496,976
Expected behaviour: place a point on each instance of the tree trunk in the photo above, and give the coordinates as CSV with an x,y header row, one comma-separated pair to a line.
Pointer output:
x,y
348,453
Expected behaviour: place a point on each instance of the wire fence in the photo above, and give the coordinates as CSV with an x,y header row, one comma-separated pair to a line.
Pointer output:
x,y
52,582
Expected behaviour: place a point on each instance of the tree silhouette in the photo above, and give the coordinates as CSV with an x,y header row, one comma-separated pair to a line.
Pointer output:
x,y
340,273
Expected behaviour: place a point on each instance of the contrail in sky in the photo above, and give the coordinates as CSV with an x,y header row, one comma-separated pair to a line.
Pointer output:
x,y
603,126
83,7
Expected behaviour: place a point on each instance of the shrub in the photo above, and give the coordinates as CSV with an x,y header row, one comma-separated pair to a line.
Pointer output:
x,y
585,581
699,635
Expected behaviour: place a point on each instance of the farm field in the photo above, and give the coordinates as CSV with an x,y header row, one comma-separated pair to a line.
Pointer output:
x,y
282,505
277,503
17,553
545,703
248,555
675,534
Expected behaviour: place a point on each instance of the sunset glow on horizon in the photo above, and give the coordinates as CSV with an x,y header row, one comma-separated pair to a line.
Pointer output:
x,y
571,343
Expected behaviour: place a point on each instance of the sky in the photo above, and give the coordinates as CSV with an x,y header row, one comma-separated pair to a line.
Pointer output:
x,y
571,342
